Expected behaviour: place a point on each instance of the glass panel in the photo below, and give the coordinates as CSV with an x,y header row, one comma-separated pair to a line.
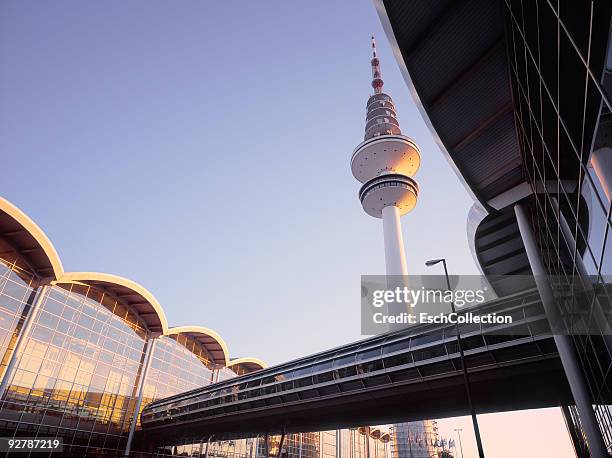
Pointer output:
x,y
402,345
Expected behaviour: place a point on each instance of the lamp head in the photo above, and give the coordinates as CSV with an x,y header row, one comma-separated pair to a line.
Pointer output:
x,y
433,262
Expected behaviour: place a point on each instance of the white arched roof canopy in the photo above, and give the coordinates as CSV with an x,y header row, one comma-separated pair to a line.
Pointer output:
x,y
209,339
21,237
134,295
248,364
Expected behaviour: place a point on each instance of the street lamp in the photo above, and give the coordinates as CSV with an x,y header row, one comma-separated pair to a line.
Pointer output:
x,y
466,378
460,445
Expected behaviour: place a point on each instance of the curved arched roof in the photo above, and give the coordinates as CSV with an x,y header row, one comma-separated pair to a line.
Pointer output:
x,y
21,236
248,364
134,295
212,341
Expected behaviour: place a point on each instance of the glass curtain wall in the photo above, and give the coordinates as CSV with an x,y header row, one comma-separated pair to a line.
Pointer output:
x,y
179,364
556,54
77,375
414,440
16,297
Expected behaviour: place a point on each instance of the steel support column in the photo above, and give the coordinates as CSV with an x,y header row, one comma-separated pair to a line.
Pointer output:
x,y
143,378
565,348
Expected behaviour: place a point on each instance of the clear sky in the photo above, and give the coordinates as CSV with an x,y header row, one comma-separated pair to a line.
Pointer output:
x,y
202,149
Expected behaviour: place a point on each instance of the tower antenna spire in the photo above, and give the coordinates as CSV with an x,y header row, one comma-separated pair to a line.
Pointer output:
x,y
377,82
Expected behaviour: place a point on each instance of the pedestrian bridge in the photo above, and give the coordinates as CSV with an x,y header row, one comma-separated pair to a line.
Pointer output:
x,y
401,376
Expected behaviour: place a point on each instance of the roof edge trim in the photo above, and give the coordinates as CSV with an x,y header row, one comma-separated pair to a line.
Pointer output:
x,y
35,231
70,277
259,362
201,330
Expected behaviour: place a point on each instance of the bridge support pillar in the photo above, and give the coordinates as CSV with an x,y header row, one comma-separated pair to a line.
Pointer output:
x,y
565,348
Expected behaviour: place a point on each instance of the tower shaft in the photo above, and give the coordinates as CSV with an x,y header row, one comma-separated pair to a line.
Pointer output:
x,y
395,255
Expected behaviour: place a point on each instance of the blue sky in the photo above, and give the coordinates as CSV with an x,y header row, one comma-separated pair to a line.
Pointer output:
x,y
202,149
204,152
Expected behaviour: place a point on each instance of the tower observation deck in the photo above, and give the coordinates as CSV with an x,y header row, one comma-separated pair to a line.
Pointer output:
x,y
385,162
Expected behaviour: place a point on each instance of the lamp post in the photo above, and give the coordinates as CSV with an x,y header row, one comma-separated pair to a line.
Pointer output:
x,y
466,377
460,445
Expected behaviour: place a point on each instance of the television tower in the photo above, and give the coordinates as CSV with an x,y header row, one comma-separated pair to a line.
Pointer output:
x,y
385,162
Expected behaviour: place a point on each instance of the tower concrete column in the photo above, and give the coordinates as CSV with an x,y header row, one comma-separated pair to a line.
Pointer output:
x,y
141,385
395,255
565,348
22,339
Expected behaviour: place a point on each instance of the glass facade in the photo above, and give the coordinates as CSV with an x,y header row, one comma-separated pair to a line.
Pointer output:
x,y
16,297
557,54
77,374
225,373
327,441
179,364
415,440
